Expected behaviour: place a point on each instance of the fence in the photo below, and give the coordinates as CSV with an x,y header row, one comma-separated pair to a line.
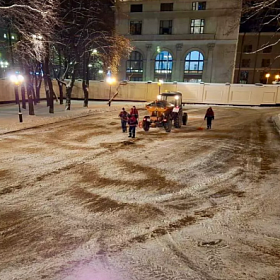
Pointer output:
x,y
230,94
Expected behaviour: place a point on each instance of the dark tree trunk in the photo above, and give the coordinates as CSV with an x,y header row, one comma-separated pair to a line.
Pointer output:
x,y
38,82
60,87
33,82
48,80
29,92
38,87
85,84
47,91
85,89
61,76
69,87
22,89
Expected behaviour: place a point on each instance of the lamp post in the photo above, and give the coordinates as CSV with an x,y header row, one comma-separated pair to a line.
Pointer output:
x,y
17,80
160,82
267,77
110,81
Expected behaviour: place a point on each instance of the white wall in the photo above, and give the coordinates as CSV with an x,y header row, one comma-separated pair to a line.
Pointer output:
x,y
232,94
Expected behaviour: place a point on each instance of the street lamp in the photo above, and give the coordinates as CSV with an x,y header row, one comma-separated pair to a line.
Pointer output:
x,y
110,81
277,77
160,82
17,80
267,77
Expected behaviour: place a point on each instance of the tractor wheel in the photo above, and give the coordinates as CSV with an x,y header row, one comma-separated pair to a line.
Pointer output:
x,y
178,120
146,125
168,125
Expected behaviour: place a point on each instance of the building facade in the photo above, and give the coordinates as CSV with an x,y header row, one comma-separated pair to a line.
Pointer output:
x,y
183,40
258,58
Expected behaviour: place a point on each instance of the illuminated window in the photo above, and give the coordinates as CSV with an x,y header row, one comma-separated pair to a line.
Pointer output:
x,y
134,67
198,6
197,26
194,64
163,66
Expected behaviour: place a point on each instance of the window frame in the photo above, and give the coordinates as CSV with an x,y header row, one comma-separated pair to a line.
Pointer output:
x,y
247,48
135,57
245,63
267,49
265,63
161,27
134,23
163,66
245,77
200,26
168,7
136,10
196,7
198,61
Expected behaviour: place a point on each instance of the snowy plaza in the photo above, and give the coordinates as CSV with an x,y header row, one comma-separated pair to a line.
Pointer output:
x,y
82,201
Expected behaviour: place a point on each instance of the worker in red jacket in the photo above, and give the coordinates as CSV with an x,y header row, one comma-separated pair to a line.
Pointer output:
x,y
134,112
132,122
209,116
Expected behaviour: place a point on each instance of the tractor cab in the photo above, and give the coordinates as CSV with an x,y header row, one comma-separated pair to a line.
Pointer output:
x,y
174,98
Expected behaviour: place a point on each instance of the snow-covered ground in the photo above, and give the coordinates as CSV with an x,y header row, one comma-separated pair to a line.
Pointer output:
x,y
79,200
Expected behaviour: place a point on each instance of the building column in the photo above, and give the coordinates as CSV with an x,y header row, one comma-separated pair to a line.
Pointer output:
x,y
208,76
177,65
148,63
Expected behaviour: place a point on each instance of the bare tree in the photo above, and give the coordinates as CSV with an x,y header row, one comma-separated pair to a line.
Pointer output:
x,y
261,16
88,26
34,22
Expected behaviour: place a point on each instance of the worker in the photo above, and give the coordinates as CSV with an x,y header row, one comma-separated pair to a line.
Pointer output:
x,y
124,116
209,116
134,112
132,122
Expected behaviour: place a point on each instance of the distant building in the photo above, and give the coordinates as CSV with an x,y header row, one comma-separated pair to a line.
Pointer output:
x,y
185,40
257,55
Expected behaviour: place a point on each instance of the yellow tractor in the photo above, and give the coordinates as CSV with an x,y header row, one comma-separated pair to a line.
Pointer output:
x,y
164,110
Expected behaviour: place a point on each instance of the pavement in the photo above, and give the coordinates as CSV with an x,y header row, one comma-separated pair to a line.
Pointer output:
x,y
9,117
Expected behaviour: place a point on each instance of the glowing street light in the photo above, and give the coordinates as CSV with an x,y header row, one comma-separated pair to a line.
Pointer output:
x,y
110,81
160,82
277,77
267,77
17,80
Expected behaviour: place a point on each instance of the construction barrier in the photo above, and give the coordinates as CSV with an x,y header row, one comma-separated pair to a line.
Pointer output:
x,y
227,94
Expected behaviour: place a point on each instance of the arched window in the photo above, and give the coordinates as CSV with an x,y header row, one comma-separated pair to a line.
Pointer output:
x,y
194,64
163,66
134,67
